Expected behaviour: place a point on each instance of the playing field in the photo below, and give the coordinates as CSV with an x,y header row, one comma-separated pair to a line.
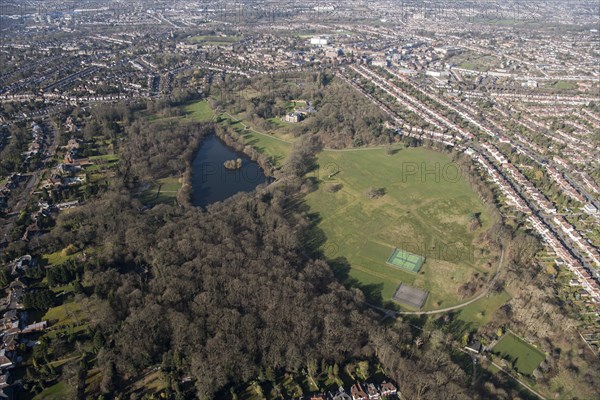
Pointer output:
x,y
423,214
525,357
403,259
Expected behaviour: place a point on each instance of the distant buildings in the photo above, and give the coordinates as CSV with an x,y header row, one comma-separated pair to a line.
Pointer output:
x,y
318,41
530,84
447,51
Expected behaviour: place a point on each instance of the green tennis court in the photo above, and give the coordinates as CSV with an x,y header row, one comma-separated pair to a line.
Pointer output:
x,y
405,260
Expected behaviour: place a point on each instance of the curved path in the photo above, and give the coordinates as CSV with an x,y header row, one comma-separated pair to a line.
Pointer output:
x,y
447,309
526,386
385,310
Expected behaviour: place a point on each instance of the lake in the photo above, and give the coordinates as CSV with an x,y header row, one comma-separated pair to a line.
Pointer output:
x,y
212,182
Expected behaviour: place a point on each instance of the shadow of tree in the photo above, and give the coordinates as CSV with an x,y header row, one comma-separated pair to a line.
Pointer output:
x,y
316,245
341,269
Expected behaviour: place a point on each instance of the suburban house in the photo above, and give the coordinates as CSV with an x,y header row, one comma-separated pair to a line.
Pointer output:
x,y
372,391
358,393
387,389
36,327
5,359
474,347
341,395
22,264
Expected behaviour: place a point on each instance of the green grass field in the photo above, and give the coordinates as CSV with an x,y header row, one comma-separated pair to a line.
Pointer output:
x,y
524,356
273,147
56,258
199,111
58,391
482,311
561,85
423,215
163,191
65,314
475,62
107,158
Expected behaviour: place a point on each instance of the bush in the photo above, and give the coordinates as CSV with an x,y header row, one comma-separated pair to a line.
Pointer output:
x,y
374,193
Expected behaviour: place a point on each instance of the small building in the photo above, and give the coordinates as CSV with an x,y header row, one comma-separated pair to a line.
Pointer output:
x,y
437,74
530,83
185,47
318,41
388,389
22,264
5,380
333,53
340,395
6,361
73,144
358,393
447,51
372,391
380,62
10,339
474,347
36,327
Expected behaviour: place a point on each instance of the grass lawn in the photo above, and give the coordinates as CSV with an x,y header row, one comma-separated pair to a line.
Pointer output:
x,y
148,382
481,312
493,369
61,256
57,258
92,381
107,158
525,357
163,191
69,313
475,62
54,392
275,148
423,214
199,111
561,85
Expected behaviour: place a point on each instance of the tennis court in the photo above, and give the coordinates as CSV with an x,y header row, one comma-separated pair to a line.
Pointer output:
x,y
410,296
405,260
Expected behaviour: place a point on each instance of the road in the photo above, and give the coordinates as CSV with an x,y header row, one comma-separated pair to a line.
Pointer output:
x,y
34,178
483,293
526,386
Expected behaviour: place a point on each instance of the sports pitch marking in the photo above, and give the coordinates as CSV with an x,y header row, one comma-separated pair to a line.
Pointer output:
x,y
410,296
405,260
